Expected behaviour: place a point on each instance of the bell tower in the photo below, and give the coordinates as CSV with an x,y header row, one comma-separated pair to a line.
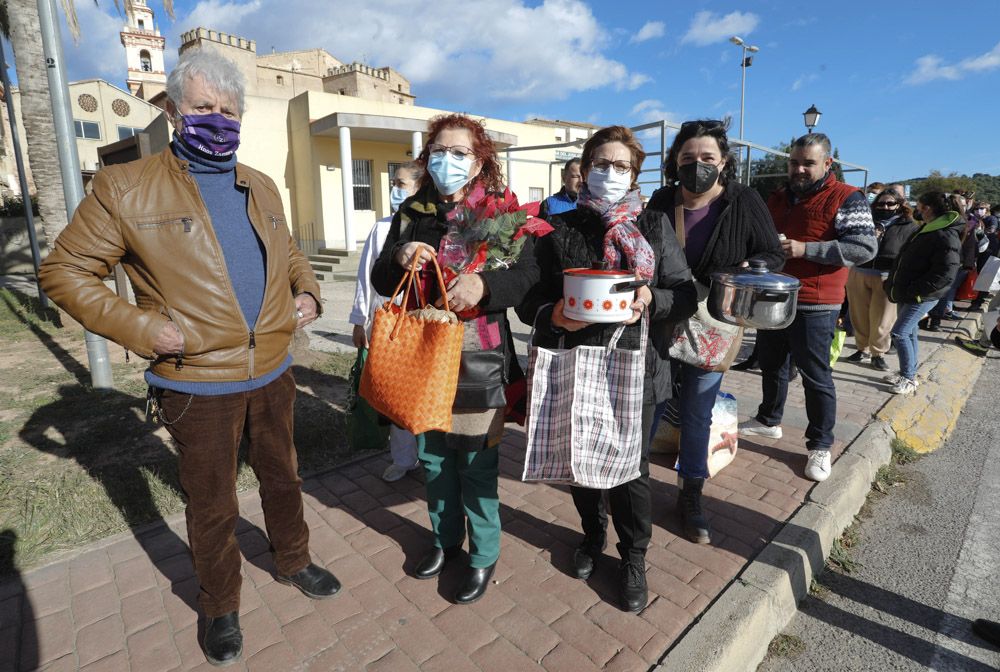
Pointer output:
x,y
143,52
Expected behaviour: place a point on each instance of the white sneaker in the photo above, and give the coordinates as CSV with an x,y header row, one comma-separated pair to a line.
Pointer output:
x,y
904,386
894,378
394,472
818,465
754,427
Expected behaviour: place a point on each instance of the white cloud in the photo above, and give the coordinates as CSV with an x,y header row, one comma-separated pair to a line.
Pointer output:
x,y
803,80
467,53
649,31
931,67
708,28
99,52
650,110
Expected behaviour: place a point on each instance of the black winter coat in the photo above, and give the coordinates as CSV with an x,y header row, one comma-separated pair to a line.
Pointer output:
x,y
744,230
928,262
578,241
893,238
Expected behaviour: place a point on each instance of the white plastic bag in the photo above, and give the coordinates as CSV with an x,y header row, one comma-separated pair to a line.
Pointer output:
x,y
723,436
989,277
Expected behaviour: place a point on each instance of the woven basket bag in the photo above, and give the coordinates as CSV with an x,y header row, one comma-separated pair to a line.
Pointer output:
x,y
411,375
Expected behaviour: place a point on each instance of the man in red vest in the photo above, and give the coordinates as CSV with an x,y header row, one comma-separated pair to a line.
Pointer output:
x,y
826,227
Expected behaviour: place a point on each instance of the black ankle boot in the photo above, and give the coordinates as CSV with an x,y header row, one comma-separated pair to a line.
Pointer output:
x,y
632,584
223,639
586,555
432,563
475,584
746,365
689,510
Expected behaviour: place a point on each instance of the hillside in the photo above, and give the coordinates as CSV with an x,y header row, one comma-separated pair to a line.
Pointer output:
x,y
987,187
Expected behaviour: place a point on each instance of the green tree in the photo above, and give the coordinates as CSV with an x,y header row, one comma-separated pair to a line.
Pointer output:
x,y
837,170
770,171
936,181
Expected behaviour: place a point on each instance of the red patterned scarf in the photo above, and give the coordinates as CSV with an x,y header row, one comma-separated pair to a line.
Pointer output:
x,y
621,234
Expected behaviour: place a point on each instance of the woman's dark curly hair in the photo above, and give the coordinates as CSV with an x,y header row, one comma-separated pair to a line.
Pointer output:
x,y
699,129
491,175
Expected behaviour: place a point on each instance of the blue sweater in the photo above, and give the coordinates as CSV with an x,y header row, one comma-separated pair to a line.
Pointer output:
x,y
242,250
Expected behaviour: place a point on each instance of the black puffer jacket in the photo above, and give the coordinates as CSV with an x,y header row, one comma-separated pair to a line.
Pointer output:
x,y
928,262
578,241
897,231
744,230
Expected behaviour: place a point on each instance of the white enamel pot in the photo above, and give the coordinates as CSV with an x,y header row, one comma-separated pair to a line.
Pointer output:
x,y
598,295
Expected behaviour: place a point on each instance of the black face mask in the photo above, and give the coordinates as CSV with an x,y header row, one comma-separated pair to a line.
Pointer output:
x,y
881,215
698,177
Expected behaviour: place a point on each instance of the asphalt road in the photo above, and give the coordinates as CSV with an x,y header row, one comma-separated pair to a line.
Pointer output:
x,y
928,564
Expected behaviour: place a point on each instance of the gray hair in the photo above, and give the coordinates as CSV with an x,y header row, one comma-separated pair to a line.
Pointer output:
x,y
414,168
810,139
218,72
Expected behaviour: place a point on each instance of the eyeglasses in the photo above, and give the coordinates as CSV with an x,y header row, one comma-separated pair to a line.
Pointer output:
x,y
887,204
457,151
707,124
621,167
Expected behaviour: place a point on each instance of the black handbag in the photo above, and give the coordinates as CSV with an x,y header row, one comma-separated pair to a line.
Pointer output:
x,y
481,380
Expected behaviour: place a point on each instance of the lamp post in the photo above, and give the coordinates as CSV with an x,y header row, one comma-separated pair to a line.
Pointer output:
x,y
745,63
811,117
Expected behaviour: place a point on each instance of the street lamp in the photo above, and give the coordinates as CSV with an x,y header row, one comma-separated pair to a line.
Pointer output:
x,y
745,63
811,116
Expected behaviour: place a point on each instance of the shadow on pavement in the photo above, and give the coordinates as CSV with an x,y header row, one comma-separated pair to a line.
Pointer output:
x,y
18,635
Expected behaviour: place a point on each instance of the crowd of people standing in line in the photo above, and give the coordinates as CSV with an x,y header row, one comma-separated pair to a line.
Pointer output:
x,y
221,287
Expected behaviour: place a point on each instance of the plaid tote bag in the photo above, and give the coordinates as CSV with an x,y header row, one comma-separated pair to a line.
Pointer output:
x,y
584,423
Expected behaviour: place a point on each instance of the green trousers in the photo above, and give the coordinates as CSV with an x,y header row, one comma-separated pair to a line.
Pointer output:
x,y
462,490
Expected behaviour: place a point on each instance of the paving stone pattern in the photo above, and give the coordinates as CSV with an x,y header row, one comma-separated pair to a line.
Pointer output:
x,y
129,603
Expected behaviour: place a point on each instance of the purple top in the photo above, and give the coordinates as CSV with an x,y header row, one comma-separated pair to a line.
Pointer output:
x,y
698,227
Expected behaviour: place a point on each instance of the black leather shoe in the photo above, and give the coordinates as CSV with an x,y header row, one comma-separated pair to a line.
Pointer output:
x,y
689,510
223,639
313,581
434,562
475,584
746,365
632,577
585,557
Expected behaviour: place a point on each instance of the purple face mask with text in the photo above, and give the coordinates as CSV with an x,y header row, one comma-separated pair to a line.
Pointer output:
x,y
214,135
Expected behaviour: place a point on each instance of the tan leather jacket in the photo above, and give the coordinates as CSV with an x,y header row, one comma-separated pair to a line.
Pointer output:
x,y
148,215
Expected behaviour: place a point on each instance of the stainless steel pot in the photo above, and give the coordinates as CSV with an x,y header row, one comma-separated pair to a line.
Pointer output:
x,y
755,298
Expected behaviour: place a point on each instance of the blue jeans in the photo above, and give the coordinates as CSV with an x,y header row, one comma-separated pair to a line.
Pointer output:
x,y
947,302
904,334
695,391
806,341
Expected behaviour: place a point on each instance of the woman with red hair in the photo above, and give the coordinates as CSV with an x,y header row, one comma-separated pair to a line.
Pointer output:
x,y
461,466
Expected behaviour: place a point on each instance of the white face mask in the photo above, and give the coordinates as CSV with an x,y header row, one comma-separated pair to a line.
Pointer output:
x,y
608,185
396,197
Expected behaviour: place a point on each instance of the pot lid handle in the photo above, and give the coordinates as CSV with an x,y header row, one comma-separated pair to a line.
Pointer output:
x,y
600,266
758,266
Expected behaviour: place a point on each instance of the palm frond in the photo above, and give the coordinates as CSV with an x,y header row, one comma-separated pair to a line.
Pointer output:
x,y
69,8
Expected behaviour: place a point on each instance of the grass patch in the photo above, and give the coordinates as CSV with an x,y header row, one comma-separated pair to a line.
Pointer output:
x,y
786,646
902,453
818,590
840,555
78,465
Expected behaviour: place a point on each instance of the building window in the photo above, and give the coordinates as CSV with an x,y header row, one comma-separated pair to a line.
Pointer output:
x,y
89,130
362,178
535,194
142,25
128,132
400,86
343,92
146,63
281,80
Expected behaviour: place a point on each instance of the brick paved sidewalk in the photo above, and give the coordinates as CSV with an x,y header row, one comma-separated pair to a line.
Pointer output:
x,y
129,603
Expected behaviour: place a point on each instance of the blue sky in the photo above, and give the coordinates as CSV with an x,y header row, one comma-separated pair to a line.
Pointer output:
x,y
904,87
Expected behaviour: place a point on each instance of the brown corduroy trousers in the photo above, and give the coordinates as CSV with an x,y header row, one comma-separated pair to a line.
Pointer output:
x,y
207,432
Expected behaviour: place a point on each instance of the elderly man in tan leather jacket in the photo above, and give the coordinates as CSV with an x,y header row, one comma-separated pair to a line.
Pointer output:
x,y
220,287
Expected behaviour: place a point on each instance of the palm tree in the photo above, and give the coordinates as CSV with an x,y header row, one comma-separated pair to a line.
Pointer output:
x,y
19,23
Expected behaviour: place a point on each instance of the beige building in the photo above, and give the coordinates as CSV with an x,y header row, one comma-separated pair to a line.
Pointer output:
x,y
144,47
102,114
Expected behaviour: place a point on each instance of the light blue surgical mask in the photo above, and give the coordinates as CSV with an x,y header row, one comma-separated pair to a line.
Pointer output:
x,y
871,197
448,173
396,197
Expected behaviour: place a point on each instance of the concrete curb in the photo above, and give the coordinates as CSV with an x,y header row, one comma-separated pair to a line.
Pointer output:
x,y
734,632
924,420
